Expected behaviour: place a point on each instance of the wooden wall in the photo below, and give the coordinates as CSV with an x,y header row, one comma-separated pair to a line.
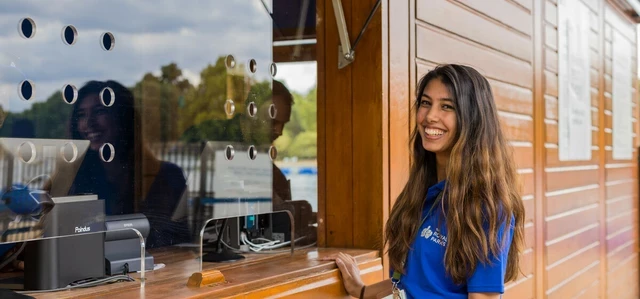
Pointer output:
x,y
350,126
581,224
581,217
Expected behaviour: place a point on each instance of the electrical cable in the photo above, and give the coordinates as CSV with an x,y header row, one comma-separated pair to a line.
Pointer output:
x,y
242,234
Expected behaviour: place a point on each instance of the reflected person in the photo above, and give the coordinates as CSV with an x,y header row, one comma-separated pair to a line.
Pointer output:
x,y
126,176
282,101
301,209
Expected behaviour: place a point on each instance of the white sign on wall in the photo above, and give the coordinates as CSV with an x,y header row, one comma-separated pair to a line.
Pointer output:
x,y
574,81
622,126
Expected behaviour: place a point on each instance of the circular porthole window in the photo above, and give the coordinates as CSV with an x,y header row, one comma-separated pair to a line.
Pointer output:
x,y
107,41
273,153
69,152
252,152
252,109
229,107
27,152
27,28
230,61
229,153
253,66
107,97
26,90
69,35
107,152
69,93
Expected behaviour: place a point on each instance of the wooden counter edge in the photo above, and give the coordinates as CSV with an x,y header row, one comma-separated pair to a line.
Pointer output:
x,y
316,285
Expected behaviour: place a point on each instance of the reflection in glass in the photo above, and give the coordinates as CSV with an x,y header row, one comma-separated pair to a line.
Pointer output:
x,y
113,170
153,120
294,132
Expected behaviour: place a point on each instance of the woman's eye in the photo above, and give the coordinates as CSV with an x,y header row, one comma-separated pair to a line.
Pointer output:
x,y
447,107
424,103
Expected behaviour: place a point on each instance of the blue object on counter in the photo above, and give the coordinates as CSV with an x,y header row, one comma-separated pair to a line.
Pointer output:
x,y
23,201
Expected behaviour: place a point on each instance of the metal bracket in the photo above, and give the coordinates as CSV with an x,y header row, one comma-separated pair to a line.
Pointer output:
x,y
344,59
346,53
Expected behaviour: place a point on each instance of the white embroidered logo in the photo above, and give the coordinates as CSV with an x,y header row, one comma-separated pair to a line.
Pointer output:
x,y
426,233
435,237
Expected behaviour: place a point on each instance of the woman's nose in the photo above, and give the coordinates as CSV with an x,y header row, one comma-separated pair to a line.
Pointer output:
x,y
91,120
433,115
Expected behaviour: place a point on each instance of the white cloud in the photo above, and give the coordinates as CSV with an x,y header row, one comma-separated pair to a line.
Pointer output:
x,y
194,78
298,77
148,35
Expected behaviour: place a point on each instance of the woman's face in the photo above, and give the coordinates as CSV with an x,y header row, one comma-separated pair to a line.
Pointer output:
x,y
96,123
437,118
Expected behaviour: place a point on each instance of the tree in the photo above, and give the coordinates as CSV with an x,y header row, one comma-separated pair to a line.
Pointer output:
x,y
48,119
158,99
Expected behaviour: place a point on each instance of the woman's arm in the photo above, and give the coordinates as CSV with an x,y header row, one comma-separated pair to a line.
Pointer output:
x,y
484,295
353,283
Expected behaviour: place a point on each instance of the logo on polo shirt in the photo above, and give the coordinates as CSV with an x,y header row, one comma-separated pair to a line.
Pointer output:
x,y
426,233
434,236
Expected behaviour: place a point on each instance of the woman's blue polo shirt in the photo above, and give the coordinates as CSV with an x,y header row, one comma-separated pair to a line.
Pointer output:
x,y
425,275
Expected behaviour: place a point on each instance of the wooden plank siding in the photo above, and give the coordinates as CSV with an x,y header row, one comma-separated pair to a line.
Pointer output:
x,y
581,216
620,177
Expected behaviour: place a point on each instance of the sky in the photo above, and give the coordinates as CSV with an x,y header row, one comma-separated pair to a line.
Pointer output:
x,y
148,34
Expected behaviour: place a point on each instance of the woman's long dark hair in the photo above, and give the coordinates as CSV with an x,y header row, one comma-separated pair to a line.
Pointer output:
x,y
481,192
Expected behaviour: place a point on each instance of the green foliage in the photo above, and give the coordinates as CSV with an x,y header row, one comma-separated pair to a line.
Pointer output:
x,y
299,138
49,119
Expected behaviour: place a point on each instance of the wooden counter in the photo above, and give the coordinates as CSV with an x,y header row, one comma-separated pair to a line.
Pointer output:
x,y
258,276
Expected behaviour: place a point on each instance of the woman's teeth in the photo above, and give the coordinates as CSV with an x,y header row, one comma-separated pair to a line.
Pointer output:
x,y
94,135
433,132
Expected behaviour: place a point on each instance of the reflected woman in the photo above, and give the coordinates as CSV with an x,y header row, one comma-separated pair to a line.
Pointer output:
x,y
119,168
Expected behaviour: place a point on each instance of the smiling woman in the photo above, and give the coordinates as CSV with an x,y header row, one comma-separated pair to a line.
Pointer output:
x,y
457,228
